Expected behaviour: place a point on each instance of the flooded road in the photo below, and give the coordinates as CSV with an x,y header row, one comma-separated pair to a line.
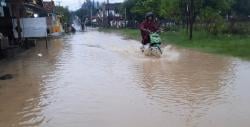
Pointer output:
x,y
96,79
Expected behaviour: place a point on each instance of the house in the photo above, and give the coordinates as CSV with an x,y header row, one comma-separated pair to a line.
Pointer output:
x,y
109,14
12,11
112,10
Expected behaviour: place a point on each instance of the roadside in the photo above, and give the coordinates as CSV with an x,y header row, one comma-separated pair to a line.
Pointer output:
x,y
229,45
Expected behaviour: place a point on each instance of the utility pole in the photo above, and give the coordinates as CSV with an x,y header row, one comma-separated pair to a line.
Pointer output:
x,y
103,16
91,16
108,13
125,13
18,28
125,18
59,3
191,19
187,15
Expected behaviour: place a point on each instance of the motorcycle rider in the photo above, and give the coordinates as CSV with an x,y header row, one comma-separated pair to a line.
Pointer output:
x,y
148,26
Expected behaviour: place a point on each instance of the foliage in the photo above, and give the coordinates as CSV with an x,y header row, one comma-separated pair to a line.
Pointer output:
x,y
64,12
87,8
241,7
210,14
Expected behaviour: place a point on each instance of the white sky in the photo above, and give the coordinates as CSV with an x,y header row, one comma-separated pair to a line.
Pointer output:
x,y
75,4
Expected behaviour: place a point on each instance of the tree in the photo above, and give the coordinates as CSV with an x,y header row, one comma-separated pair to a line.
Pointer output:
x,y
128,5
170,8
64,12
138,8
88,7
208,14
241,7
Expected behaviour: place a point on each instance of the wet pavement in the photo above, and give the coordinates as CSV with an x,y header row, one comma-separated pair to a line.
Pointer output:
x,y
96,79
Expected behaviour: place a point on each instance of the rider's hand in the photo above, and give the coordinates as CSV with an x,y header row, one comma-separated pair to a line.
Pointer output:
x,y
149,31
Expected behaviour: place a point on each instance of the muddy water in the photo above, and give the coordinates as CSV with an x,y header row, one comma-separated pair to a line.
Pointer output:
x,y
96,79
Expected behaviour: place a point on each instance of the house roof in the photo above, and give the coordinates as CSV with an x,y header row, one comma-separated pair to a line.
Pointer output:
x,y
35,8
35,2
113,6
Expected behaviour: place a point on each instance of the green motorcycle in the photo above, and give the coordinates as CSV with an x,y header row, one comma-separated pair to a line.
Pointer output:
x,y
154,47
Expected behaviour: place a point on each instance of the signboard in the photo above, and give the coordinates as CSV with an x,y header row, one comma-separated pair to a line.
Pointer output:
x,y
31,27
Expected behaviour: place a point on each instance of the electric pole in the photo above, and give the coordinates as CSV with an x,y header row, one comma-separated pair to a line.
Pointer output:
x,y
59,3
125,18
108,13
191,19
91,14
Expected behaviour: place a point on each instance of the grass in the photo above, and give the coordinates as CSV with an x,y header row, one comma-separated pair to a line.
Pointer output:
x,y
230,45
129,33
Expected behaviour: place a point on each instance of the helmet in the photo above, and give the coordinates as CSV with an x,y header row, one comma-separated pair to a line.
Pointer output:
x,y
149,14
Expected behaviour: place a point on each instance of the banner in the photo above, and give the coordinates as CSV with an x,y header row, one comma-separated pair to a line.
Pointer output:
x,y
31,27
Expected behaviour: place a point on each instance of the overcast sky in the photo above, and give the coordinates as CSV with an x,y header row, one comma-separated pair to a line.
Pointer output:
x,y
75,4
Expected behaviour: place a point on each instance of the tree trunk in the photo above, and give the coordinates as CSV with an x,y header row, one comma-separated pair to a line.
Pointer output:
x,y
191,18
187,15
187,24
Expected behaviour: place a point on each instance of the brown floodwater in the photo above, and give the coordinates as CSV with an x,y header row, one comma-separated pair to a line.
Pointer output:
x,y
96,79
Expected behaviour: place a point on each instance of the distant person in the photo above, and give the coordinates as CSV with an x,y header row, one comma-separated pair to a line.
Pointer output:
x,y
148,26
48,31
73,30
83,25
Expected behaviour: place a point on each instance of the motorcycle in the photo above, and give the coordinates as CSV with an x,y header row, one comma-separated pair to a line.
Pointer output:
x,y
154,47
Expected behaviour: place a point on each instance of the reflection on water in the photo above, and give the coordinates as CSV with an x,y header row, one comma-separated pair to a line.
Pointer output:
x,y
188,87
97,79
